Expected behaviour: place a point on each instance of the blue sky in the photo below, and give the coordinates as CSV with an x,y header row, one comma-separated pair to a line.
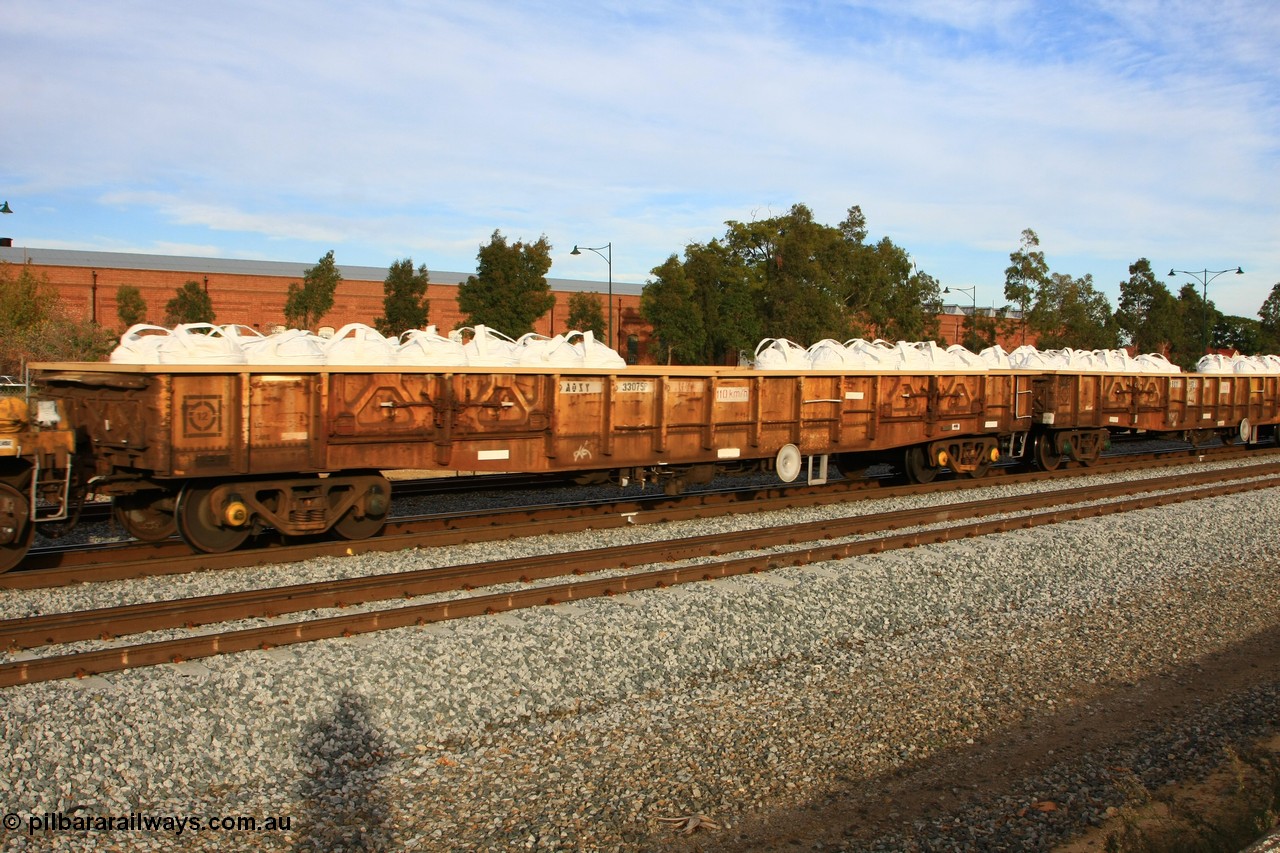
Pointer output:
x,y
384,130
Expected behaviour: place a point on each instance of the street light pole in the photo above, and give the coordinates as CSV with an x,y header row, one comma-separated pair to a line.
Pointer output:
x,y
5,241
608,328
973,295
1204,277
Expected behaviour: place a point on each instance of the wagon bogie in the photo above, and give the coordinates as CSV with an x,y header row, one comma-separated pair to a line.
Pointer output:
x,y
220,516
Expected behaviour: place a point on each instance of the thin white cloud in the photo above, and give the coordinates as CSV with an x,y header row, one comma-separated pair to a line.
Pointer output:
x,y
1114,128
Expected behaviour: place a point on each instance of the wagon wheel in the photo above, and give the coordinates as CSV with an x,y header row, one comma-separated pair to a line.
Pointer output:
x,y
16,529
353,526
197,521
981,469
147,515
1046,458
917,466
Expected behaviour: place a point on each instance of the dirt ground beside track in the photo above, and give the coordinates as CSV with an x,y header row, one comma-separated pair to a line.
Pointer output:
x,y
1000,764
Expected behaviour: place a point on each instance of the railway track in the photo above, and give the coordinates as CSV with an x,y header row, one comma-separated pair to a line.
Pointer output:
x,y
132,559
803,543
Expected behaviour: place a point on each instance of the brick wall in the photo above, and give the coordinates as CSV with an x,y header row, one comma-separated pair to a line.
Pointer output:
x,y
258,301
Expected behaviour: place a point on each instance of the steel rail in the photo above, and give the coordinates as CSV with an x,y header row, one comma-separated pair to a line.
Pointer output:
x,y
103,623
114,659
440,530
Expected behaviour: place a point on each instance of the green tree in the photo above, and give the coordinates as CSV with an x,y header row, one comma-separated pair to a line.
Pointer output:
x,y
704,310
982,329
509,291
191,304
25,297
1269,315
727,294
1242,334
404,302
1189,334
1147,316
1026,274
34,325
799,269
787,276
307,302
586,312
131,308
1070,312
668,304
896,301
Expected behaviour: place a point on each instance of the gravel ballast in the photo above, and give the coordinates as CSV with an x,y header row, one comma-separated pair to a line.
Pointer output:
x,y
582,726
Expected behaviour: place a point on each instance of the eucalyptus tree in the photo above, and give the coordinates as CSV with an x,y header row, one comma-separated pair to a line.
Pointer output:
x,y
1147,315
191,304
586,313
131,308
1269,317
798,268
306,303
670,305
404,301
509,291
1071,312
1194,316
1026,274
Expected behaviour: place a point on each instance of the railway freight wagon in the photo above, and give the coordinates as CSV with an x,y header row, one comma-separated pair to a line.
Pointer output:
x,y
220,452
1075,413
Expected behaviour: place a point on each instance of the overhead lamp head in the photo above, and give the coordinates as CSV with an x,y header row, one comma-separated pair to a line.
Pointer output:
x,y
575,250
4,208
1239,271
1172,273
946,290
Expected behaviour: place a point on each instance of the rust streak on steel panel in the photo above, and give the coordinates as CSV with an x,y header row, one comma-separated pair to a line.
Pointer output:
x,y
607,414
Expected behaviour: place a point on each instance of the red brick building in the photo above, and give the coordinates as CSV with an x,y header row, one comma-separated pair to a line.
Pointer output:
x,y
252,293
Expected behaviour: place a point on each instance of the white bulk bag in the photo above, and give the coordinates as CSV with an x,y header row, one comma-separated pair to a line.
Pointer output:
x,y
1214,363
594,353
828,355
358,344
780,354
487,347
292,346
1248,364
869,355
1154,362
428,348
537,350
996,358
200,343
907,356
964,359
139,343
1113,361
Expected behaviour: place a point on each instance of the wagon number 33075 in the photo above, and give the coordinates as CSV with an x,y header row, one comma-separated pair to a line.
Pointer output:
x,y
570,386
